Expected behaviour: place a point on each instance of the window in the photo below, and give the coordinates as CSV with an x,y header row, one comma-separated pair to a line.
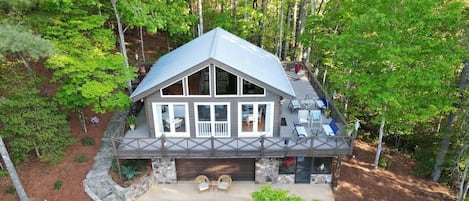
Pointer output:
x,y
171,119
175,89
322,165
287,165
212,119
199,82
226,83
255,119
251,89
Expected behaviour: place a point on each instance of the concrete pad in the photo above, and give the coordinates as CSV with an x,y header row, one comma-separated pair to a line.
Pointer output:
x,y
239,191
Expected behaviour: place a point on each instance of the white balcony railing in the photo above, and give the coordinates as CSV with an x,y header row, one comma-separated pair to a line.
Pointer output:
x,y
219,129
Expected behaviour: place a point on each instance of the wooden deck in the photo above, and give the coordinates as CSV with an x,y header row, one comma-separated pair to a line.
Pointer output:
x,y
138,144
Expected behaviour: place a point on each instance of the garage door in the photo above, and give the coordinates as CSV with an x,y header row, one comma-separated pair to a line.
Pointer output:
x,y
240,169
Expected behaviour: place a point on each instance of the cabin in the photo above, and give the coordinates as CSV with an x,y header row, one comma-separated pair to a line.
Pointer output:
x,y
219,105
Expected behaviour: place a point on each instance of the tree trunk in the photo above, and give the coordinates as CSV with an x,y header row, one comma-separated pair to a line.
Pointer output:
x,y
300,29
463,186
81,117
449,124
12,172
122,42
201,19
280,34
262,24
380,141
141,45
284,52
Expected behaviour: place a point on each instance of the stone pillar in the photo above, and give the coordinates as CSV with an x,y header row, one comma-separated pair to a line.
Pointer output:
x,y
164,170
266,170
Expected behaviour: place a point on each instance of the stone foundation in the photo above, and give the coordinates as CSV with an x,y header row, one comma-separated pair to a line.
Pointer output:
x,y
164,170
285,179
266,170
321,178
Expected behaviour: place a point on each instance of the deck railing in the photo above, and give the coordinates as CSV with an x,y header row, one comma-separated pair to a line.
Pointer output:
x,y
217,129
314,146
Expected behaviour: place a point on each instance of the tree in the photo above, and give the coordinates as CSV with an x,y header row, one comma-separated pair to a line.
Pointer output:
x,y
87,70
17,42
391,54
31,122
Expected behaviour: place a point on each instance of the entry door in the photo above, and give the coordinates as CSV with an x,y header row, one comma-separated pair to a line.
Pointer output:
x,y
303,170
171,119
212,119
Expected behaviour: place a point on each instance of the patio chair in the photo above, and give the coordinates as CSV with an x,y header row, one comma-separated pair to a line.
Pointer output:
x,y
315,117
202,182
224,182
303,116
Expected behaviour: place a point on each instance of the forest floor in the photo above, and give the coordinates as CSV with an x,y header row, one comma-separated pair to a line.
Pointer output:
x,y
358,179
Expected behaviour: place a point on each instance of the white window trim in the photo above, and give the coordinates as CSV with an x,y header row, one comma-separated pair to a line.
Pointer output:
x,y
268,133
212,114
156,120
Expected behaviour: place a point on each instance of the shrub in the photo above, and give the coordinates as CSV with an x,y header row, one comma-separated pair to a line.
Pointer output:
x,y
130,168
384,162
129,173
11,190
58,185
80,159
3,174
87,141
266,194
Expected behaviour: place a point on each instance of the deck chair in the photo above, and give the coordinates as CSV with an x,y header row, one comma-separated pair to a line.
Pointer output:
x,y
315,117
224,182
303,116
202,182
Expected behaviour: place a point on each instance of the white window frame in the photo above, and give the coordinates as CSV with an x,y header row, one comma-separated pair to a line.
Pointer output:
x,y
269,118
157,119
212,117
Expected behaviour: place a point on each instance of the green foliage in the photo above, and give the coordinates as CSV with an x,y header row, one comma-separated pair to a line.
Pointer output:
x,y
391,62
384,162
131,120
80,159
87,141
3,174
129,173
130,168
11,189
84,65
58,185
31,122
16,40
266,193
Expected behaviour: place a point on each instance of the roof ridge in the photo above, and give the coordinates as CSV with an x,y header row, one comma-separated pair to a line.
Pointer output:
x,y
213,50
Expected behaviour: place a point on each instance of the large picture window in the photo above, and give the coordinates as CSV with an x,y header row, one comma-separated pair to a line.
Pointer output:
x,y
226,83
199,83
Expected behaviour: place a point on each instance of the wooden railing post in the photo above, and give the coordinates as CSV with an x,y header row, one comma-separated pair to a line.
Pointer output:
x,y
261,142
212,146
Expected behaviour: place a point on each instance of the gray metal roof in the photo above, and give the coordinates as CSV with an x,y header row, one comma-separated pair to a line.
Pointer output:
x,y
226,48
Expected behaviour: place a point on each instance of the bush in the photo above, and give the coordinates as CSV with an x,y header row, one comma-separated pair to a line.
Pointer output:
x,y
384,162
87,141
267,194
80,159
3,174
58,185
11,190
130,168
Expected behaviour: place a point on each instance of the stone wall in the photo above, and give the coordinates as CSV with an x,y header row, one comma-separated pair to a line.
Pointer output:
x,y
321,178
164,170
266,170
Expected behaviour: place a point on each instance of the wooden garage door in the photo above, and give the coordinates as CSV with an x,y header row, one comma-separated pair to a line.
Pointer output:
x,y
240,169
